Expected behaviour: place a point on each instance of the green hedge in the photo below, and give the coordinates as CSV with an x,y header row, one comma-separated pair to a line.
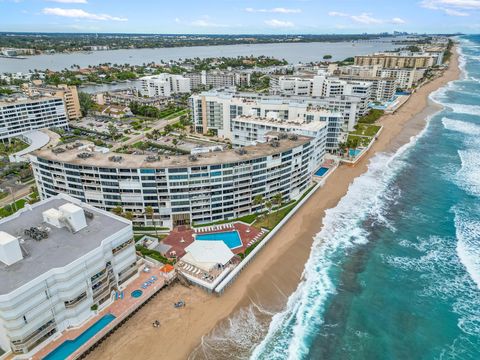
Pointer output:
x,y
153,254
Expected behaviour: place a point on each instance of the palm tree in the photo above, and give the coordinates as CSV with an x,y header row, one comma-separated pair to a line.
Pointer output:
x,y
277,199
117,210
268,205
175,143
128,215
149,212
258,200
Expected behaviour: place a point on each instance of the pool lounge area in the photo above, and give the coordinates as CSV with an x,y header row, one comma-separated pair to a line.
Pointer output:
x,y
230,238
70,346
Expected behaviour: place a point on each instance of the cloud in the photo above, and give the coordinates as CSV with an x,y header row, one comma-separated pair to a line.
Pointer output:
x,y
206,22
398,21
274,23
80,14
452,7
453,12
70,1
278,10
336,13
367,18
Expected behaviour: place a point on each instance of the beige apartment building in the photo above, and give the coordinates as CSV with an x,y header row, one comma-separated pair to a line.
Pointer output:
x,y
396,61
69,94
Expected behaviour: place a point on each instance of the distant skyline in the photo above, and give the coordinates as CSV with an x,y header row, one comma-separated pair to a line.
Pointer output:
x,y
240,16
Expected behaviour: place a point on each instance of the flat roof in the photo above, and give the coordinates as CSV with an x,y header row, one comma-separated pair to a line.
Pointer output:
x,y
27,100
297,123
173,161
60,248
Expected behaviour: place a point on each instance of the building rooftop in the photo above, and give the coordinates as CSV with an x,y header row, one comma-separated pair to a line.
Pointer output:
x,y
22,99
104,159
60,248
296,123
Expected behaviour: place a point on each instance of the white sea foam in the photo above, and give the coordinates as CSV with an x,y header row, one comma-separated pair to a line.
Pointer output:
x,y
464,127
236,336
464,109
467,229
468,177
292,330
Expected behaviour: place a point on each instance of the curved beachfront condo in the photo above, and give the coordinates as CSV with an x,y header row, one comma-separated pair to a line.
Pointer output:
x,y
182,189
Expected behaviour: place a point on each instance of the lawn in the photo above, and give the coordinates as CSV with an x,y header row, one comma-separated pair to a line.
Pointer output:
x,y
153,254
269,221
14,146
10,209
360,141
371,117
365,130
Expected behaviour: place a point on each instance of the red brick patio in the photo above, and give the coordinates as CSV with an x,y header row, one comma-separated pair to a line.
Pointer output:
x,y
181,237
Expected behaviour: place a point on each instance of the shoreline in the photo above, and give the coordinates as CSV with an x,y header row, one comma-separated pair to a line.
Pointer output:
x,y
276,270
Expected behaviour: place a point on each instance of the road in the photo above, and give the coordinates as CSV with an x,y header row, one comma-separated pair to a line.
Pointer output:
x,y
20,193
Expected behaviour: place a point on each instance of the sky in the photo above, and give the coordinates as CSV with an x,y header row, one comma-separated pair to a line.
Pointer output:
x,y
240,16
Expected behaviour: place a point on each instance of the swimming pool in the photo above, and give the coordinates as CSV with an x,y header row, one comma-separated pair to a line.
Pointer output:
x,y
230,238
70,346
136,293
322,171
354,152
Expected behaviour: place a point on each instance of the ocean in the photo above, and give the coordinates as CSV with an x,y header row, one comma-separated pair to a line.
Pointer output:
x,y
395,271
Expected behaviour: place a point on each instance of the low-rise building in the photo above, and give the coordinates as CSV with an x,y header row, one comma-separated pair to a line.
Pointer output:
x,y
59,259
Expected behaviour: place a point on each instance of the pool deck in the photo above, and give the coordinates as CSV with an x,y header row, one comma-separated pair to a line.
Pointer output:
x,y
181,237
120,308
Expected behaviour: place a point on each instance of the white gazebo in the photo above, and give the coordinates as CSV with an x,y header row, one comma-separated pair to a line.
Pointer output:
x,y
206,254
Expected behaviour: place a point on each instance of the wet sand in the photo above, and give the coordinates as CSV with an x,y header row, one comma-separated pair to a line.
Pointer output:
x,y
277,269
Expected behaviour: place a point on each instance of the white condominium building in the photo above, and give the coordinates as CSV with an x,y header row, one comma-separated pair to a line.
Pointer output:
x,y
164,85
214,111
291,85
218,79
20,116
249,130
382,88
58,258
181,189
321,85
405,78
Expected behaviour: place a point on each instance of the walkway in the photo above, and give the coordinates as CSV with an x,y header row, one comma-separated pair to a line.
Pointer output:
x,y
120,308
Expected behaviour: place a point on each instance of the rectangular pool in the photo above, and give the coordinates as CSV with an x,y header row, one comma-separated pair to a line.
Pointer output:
x,y
70,346
322,171
230,238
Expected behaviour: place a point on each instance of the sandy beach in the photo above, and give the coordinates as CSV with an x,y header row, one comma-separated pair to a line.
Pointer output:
x,y
276,271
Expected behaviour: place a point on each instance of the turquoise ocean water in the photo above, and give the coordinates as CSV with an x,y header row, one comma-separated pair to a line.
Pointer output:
x,y
398,276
